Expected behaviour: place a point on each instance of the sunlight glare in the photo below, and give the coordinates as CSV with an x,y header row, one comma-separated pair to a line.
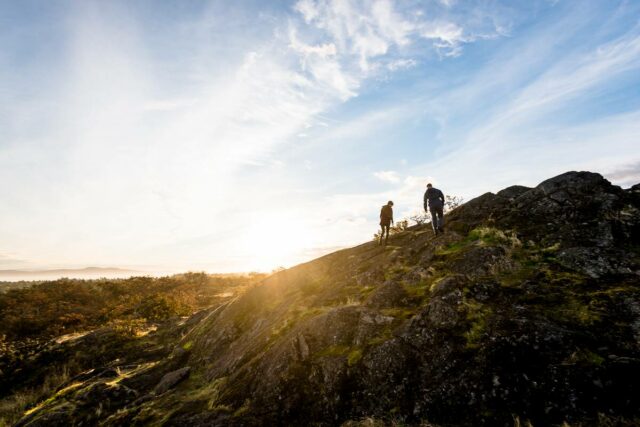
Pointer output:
x,y
275,241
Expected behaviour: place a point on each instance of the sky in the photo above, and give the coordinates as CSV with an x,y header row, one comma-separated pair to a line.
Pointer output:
x,y
235,136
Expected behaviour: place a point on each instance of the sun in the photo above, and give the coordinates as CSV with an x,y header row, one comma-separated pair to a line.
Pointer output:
x,y
274,241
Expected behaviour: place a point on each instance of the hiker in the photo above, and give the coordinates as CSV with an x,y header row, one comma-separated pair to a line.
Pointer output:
x,y
386,219
434,202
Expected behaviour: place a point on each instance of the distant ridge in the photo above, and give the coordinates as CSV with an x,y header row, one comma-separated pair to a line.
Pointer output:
x,y
65,272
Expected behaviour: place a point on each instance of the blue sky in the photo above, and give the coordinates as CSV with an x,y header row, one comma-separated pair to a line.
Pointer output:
x,y
231,136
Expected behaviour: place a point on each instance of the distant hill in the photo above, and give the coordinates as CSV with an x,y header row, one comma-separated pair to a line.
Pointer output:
x,y
527,310
79,273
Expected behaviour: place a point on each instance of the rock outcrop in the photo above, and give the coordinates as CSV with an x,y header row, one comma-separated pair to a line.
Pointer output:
x,y
527,309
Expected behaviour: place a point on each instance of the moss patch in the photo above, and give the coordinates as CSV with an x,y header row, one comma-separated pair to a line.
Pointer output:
x,y
333,350
398,312
354,357
584,357
478,316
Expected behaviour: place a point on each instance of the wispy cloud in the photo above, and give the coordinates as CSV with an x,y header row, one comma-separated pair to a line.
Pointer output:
x,y
571,77
532,125
357,38
387,176
8,261
625,175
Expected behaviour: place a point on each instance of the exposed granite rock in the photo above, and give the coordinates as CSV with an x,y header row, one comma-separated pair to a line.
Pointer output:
x,y
594,261
389,294
172,379
481,261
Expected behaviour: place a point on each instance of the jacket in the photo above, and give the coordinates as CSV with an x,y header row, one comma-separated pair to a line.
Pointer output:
x,y
386,215
433,198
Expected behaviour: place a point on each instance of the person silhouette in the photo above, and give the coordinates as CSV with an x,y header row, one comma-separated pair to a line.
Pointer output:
x,y
386,219
434,202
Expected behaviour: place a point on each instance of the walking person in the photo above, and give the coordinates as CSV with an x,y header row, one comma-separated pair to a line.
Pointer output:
x,y
386,219
434,202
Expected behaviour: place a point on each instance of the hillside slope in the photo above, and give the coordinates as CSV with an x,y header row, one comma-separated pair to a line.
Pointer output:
x,y
528,308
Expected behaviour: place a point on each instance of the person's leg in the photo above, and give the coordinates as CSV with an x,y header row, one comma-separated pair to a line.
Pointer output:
x,y
381,234
440,220
434,219
387,236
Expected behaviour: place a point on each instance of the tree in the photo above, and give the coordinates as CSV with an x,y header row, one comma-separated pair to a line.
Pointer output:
x,y
420,218
452,202
397,227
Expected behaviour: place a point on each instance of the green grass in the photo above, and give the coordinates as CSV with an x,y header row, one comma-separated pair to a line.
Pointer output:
x,y
419,290
453,248
540,264
333,350
483,236
354,357
353,354
294,316
385,336
243,409
478,315
584,357
396,271
13,407
398,312
576,311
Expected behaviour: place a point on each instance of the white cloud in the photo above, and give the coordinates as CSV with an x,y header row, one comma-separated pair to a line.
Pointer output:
x,y
324,50
361,38
387,176
9,261
448,3
626,174
401,64
308,9
565,81
449,37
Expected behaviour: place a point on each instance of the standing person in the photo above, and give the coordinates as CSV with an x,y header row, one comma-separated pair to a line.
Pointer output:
x,y
386,219
434,201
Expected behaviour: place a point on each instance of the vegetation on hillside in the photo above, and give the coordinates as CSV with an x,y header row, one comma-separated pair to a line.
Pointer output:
x,y
64,306
38,317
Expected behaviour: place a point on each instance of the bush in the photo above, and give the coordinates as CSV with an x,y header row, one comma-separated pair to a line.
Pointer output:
x,y
396,228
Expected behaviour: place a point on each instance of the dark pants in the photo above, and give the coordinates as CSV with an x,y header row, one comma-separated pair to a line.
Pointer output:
x,y
385,229
437,216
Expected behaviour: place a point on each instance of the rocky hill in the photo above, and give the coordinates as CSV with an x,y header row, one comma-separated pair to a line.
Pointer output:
x,y
526,310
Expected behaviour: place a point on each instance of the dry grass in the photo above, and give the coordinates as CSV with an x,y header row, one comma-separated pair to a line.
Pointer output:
x,y
13,407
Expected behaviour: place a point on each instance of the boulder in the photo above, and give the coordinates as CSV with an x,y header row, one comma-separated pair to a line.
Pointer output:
x,y
389,294
172,379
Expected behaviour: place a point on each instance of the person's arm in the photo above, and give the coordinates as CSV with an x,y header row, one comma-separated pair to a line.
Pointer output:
x,y
391,215
442,197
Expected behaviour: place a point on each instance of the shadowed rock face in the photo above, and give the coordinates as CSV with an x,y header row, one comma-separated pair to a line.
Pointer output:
x,y
528,307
